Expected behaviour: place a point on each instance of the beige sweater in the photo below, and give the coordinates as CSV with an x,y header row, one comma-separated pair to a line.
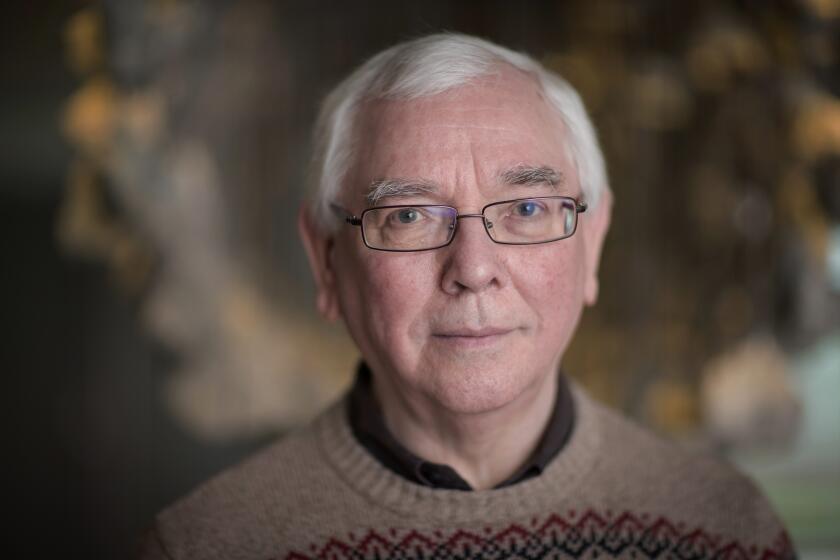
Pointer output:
x,y
614,491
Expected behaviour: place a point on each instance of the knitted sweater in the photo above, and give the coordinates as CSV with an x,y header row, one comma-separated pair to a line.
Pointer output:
x,y
615,491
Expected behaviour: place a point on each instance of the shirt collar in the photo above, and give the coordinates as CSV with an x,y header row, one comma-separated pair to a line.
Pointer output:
x,y
368,425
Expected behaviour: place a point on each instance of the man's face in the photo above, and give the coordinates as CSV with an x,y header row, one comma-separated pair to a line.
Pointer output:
x,y
476,325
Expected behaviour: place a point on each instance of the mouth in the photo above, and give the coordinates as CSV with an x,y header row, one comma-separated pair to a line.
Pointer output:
x,y
472,337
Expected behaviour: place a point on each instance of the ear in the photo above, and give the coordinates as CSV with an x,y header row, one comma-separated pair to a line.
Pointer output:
x,y
318,245
595,224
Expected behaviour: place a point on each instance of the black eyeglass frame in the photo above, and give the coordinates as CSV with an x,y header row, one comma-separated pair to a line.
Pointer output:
x,y
579,207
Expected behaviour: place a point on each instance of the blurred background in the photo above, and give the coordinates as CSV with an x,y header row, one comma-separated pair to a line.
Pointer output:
x,y
158,318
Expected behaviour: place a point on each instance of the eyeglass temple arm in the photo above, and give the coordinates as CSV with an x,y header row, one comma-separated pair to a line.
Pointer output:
x,y
348,216
581,207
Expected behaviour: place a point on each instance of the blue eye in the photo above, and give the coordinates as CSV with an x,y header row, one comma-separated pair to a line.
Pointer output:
x,y
526,208
407,215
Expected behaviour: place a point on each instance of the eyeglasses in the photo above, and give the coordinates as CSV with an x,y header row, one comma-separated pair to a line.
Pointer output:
x,y
421,227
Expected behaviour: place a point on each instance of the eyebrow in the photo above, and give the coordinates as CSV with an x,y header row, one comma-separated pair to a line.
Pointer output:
x,y
384,188
529,175
519,175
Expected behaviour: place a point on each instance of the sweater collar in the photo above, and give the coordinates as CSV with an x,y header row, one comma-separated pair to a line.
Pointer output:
x,y
562,477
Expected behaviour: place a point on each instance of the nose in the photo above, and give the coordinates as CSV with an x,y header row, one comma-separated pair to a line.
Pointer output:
x,y
472,260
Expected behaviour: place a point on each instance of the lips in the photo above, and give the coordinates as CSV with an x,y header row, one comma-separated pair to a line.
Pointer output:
x,y
485,332
468,340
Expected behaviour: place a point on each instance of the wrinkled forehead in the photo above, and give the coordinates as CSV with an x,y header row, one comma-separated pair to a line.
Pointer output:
x,y
503,116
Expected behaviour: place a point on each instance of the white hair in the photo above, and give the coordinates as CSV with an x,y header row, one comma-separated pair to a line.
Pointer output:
x,y
428,66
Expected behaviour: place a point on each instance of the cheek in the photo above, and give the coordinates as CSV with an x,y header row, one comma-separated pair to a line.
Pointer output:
x,y
383,302
554,291
398,293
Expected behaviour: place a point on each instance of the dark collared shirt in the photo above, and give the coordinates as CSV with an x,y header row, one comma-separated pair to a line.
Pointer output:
x,y
368,425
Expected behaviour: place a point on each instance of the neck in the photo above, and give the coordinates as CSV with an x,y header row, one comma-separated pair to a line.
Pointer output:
x,y
485,448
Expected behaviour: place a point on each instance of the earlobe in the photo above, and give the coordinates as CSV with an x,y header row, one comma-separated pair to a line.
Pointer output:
x,y
318,245
590,295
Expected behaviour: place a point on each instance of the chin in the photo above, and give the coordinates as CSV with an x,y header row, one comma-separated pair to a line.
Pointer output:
x,y
475,391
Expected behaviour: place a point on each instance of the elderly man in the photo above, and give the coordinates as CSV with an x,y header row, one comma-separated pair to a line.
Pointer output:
x,y
455,227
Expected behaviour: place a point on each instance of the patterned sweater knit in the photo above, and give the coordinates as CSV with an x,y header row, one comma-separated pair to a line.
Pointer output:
x,y
614,491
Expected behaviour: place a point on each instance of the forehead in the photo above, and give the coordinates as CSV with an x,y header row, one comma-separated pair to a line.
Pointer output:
x,y
474,131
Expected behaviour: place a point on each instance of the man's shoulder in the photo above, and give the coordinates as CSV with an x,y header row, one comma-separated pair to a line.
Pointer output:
x,y
649,473
249,502
646,457
275,466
